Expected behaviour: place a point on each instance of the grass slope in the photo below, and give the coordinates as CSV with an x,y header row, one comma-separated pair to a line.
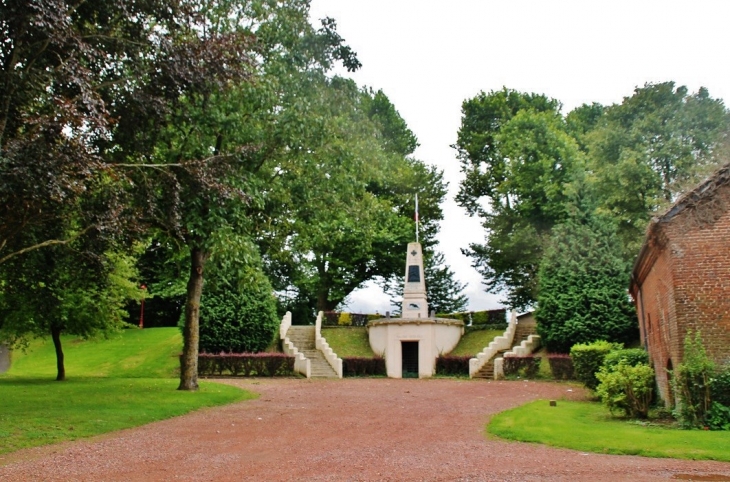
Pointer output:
x,y
474,342
133,353
350,341
121,382
589,427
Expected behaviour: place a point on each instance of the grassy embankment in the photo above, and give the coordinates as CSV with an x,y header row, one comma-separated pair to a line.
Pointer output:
x,y
474,342
349,341
121,382
353,341
589,427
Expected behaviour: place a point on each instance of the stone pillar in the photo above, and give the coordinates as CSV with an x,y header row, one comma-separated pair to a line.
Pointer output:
x,y
415,304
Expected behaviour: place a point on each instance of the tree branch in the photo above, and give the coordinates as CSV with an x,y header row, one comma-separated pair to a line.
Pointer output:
x,y
50,242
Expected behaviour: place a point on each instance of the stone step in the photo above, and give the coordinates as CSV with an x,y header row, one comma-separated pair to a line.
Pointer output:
x,y
302,337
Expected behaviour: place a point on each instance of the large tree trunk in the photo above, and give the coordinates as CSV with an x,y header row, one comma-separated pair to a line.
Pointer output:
x,y
191,338
56,335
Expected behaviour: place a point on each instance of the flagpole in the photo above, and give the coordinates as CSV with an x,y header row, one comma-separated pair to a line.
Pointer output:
x,y
416,217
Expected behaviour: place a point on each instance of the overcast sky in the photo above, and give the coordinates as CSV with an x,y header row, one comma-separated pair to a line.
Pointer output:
x,y
429,56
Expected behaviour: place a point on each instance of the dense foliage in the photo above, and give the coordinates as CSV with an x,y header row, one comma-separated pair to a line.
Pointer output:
x,y
453,365
521,158
238,315
583,281
354,366
246,364
521,366
588,359
692,382
561,366
626,387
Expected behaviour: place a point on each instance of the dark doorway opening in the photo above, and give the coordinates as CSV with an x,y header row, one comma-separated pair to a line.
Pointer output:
x,y
410,359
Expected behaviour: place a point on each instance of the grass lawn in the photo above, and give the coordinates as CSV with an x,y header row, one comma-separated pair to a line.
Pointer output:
x,y
133,353
349,341
474,342
125,381
39,412
590,427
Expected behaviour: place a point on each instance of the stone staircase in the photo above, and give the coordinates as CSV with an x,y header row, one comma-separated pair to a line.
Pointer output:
x,y
521,333
302,337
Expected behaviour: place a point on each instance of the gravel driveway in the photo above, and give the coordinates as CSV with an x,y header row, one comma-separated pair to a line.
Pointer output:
x,y
338,430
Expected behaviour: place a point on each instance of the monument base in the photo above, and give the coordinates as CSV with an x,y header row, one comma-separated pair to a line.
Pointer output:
x,y
410,346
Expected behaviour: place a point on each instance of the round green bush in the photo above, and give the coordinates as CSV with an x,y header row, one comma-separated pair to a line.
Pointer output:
x,y
238,318
630,356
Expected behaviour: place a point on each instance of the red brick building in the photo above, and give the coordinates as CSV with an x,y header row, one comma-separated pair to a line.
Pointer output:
x,y
681,278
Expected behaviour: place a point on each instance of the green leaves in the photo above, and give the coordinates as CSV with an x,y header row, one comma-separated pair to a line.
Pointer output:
x,y
582,280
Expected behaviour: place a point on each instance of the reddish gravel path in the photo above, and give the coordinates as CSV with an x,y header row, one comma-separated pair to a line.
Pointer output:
x,y
338,430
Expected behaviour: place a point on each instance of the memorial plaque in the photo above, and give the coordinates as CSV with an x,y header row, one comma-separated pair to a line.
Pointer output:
x,y
414,274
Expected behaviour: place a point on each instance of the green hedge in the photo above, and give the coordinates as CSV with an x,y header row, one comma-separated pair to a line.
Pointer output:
x,y
630,356
245,364
453,365
561,366
355,366
521,366
588,358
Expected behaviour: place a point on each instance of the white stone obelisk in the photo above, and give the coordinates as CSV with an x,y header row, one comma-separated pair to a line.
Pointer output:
x,y
415,304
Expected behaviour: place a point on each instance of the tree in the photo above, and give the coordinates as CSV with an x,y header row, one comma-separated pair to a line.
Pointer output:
x,y
202,147
339,205
61,210
238,309
649,149
518,159
444,293
582,280
55,291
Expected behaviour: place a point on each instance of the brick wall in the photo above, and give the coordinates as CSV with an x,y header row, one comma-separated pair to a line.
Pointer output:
x,y
701,269
687,288
658,321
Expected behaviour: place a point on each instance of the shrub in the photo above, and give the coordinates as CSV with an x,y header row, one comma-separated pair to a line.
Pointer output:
x,y
720,387
356,366
630,356
561,366
452,365
238,317
521,366
582,280
625,387
588,359
718,417
691,383
245,364
488,318
344,319
331,318
498,326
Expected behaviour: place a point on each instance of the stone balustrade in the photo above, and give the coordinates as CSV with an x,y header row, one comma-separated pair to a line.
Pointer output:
x,y
321,344
301,364
500,343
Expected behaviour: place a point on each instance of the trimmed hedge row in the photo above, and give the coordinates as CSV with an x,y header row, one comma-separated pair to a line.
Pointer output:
x,y
356,366
561,366
522,366
453,365
487,317
337,318
246,364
